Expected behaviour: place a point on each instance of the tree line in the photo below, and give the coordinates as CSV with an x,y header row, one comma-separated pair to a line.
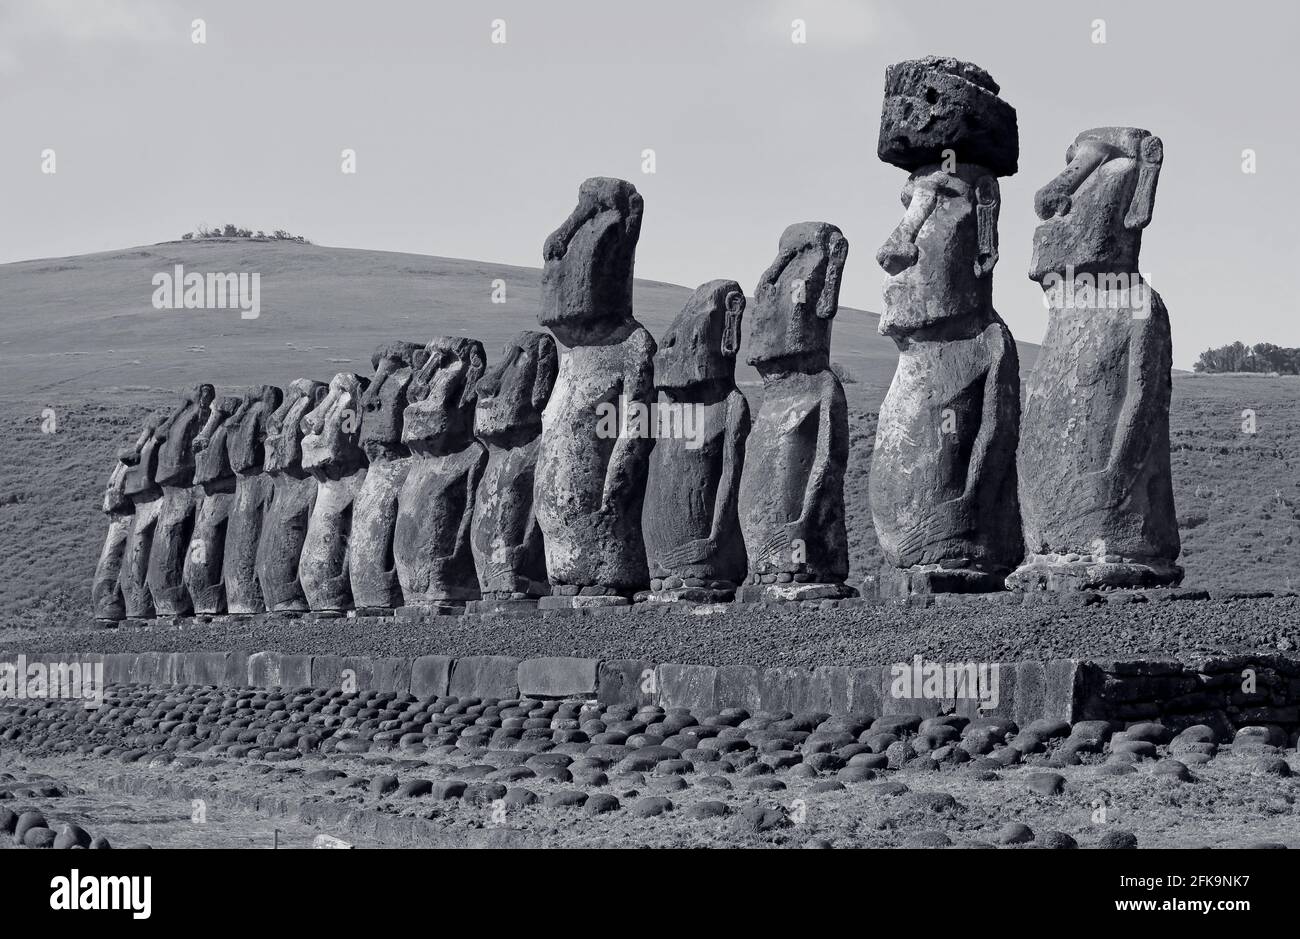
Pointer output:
x,y
1239,357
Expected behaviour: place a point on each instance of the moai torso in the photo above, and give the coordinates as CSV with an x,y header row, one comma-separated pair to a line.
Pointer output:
x,y
216,481
943,483
1095,482
507,541
246,452
293,494
106,589
590,478
331,452
145,496
690,518
175,474
431,543
792,486
373,572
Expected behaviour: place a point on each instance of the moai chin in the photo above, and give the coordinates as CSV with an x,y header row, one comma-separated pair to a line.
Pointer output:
x,y
144,494
375,587
331,451
691,518
215,480
1095,484
590,479
509,554
943,480
289,505
431,542
175,474
107,600
246,452
792,484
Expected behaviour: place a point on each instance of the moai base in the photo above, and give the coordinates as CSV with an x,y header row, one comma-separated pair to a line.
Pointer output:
x,y
214,477
175,524
590,476
1095,485
691,519
246,451
943,481
505,536
791,500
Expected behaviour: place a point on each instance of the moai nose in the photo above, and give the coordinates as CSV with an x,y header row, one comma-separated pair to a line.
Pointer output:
x,y
896,256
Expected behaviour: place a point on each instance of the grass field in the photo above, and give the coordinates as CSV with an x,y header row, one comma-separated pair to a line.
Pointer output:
x,y
79,336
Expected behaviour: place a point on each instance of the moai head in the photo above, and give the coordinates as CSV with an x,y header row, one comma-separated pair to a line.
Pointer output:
x,y
115,499
1094,211
384,400
940,257
211,461
141,457
440,416
331,431
284,426
587,277
512,394
797,298
176,450
701,344
246,429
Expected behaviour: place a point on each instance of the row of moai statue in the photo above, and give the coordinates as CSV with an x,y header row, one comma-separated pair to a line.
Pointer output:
x,y
442,484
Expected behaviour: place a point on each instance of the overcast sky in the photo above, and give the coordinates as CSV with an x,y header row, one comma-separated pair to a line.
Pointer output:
x,y
466,148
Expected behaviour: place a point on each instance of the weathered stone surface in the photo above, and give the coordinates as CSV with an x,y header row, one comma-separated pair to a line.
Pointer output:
x,y
372,570
289,507
943,482
246,451
590,476
431,675
690,517
332,453
688,686
485,676
791,500
627,681
431,543
106,588
277,670
1095,482
509,554
939,104
213,477
557,676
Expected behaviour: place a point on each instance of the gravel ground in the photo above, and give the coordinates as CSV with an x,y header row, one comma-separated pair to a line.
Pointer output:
x,y
979,629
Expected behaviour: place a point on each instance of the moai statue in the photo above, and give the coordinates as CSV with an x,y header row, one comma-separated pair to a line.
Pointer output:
x,y
212,473
246,451
375,587
690,519
331,451
175,474
792,484
507,541
590,478
1095,485
142,490
943,474
106,589
289,507
431,543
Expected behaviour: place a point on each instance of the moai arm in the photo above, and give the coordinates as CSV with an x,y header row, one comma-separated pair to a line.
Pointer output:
x,y
461,546
818,485
629,454
1148,360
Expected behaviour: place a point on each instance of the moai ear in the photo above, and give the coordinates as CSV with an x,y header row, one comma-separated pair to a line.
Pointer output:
x,y
1151,154
734,309
545,370
829,300
988,201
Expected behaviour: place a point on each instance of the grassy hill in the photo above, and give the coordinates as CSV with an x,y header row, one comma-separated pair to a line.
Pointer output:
x,y
79,335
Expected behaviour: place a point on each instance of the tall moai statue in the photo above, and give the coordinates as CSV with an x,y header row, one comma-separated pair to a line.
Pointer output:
x,y
331,451
142,490
293,494
792,484
590,479
431,543
216,480
1095,484
943,474
507,541
376,589
691,518
246,451
106,589
175,474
